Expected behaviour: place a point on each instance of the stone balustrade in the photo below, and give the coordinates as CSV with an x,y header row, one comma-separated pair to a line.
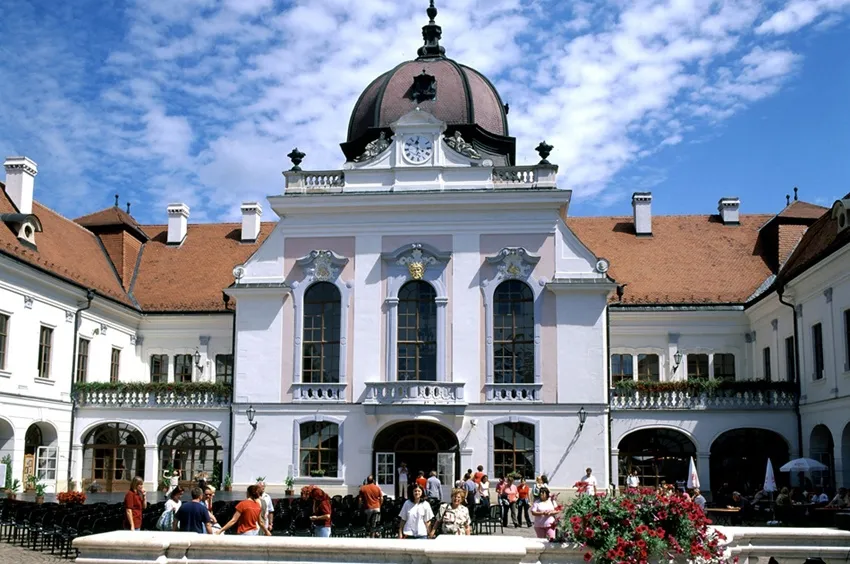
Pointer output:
x,y
307,392
304,181
534,176
174,398
512,393
715,399
414,393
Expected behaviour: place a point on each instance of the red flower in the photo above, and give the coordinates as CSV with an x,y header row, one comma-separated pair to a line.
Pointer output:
x,y
588,557
588,532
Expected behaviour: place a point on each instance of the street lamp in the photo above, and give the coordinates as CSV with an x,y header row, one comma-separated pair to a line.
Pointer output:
x,y
677,360
251,412
582,417
197,359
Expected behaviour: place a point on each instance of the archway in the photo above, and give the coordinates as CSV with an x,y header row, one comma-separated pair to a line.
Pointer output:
x,y
659,455
7,448
191,448
422,446
845,456
113,453
40,454
821,448
739,459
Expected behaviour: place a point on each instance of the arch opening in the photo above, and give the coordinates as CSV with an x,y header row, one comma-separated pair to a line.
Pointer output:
x,y
192,449
845,457
738,459
113,453
41,454
821,448
659,455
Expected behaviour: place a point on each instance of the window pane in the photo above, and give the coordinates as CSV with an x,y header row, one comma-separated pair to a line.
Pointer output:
x,y
766,361
4,334
513,333
114,365
648,367
790,360
183,368
82,359
724,366
319,448
159,368
817,345
224,368
417,332
697,366
322,315
513,448
621,368
45,344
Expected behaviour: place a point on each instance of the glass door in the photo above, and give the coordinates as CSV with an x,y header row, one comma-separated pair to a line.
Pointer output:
x,y
385,472
45,466
446,473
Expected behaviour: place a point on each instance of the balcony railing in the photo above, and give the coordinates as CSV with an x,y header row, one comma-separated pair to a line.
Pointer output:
x,y
319,393
145,395
414,393
512,393
685,395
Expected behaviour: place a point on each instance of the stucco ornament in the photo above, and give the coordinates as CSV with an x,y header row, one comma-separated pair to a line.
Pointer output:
x,y
466,149
514,262
322,265
374,148
416,263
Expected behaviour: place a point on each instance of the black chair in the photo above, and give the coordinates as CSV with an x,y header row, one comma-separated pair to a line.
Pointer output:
x,y
358,526
340,521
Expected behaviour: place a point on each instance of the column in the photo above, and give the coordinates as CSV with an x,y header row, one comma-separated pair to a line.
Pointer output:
x,y
442,338
152,473
614,469
367,312
702,461
76,467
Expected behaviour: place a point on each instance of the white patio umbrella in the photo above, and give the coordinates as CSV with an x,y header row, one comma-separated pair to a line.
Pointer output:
x,y
802,465
769,479
693,477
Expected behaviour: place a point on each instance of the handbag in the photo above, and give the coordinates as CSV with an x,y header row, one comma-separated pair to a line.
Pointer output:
x,y
165,521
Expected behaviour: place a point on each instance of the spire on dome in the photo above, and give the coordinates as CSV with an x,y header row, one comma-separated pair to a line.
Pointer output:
x,y
431,33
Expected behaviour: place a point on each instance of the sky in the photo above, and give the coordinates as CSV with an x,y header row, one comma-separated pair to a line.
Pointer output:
x,y
199,101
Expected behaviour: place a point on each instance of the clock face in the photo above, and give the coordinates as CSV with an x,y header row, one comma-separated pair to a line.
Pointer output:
x,y
418,149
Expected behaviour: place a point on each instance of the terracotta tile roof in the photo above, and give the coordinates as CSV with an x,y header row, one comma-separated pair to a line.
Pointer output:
x,y
821,240
191,276
688,260
65,249
802,210
112,217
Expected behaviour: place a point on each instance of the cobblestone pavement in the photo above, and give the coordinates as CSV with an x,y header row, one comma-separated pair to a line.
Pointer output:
x,y
10,554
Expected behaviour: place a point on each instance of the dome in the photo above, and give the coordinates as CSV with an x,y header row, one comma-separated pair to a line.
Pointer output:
x,y
454,93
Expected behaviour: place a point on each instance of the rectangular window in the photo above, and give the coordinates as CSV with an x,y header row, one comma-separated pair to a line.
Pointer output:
x,y
621,368
182,368
224,369
766,356
114,364
159,368
648,368
45,345
724,367
697,366
4,336
82,360
319,449
817,350
46,458
513,448
846,342
790,359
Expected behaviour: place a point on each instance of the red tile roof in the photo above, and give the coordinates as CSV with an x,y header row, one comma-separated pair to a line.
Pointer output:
x,y
802,210
821,240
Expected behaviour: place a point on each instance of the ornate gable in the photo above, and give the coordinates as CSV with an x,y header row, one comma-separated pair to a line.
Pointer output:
x,y
322,265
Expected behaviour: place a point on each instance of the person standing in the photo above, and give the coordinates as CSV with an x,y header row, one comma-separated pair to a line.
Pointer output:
x,y
402,480
416,516
433,487
420,480
484,491
371,496
321,516
508,498
632,481
590,481
699,499
523,492
471,489
166,520
209,498
134,504
193,517
266,505
453,518
478,474
248,516
544,515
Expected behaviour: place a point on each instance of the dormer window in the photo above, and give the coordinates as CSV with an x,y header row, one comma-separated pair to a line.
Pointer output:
x,y
24,225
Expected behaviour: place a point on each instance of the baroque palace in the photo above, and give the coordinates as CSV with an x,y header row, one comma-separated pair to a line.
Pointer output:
x,y
358,332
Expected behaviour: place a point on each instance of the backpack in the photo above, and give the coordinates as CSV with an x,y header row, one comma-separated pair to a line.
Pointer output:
x,y
165,521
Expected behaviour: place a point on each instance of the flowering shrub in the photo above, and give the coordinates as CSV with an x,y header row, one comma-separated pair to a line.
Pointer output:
x,y
71,497
639,525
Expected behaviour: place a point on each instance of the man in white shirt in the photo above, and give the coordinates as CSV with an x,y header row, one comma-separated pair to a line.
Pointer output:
x,y
632,480
402,481
590,480
266,504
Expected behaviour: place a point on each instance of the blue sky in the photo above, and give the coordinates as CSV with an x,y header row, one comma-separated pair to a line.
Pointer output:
x,y
199,101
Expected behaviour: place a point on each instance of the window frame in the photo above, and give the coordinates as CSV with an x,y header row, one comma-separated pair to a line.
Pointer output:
x,y
115,365
790,359
45,352
330,462
693,365
5,321
644,357
766,364
226,360
329,348
179,377
725,376
421,346
81,374
818,360
529,454
616,378
163,360
516,346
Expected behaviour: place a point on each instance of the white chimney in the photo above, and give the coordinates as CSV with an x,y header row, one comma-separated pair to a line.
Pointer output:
x,y
728,208
178,220
642,205
20,182
251,213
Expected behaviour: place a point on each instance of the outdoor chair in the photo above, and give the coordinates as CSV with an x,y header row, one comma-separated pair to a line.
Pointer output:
x,y
357,528
495,519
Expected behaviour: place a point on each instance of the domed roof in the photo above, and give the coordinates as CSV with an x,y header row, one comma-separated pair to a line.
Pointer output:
x,y
452,92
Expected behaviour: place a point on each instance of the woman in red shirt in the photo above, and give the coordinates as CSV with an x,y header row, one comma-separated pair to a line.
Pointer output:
x,y
134,503
247,516
321,516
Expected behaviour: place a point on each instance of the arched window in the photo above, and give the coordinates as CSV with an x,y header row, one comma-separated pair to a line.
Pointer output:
x,y
190,448
513,449
113,453
513,333
320,352
417,332
319,452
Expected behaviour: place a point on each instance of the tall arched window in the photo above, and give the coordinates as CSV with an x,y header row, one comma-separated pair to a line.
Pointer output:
x,y
513,333
191,448
513,449
417,332
320,352
113,453
319,449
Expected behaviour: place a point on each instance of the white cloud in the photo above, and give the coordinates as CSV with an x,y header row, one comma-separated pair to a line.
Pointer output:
x,y
799,13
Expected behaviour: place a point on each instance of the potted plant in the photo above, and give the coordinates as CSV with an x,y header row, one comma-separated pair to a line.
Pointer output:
x,y
228,483
318,473
290,485
31,481
94,487
40,488
163,484
12,490
71,498
72,486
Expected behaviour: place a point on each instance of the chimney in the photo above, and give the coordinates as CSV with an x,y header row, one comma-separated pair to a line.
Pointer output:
x,y
178,219
20,181
728,208
642,205
251,213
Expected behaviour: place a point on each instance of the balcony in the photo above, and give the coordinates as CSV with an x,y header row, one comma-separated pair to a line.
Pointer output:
x,y
306,392
191,395
445,396
512,393
744,395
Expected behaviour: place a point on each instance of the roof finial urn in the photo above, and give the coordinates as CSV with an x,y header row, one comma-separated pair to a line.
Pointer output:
x,y
296,157
431,33
543,150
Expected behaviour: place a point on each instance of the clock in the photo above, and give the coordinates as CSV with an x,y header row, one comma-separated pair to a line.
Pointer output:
x,y
418,149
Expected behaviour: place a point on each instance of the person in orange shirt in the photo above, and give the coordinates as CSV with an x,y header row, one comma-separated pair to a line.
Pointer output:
x,y
523,491
477,476
420,479
372,496
247,516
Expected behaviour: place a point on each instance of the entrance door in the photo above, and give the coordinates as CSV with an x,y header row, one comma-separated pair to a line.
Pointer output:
x,y
385,472
446,473
45,464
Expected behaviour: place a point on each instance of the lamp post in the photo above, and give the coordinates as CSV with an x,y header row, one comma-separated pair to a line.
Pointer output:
x,y
251,412
197,358
582,417
677,360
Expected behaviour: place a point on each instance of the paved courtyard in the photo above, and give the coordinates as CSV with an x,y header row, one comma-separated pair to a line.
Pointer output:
x,y
17,555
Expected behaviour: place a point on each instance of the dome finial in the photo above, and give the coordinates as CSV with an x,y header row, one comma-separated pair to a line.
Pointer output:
x,y
431,33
